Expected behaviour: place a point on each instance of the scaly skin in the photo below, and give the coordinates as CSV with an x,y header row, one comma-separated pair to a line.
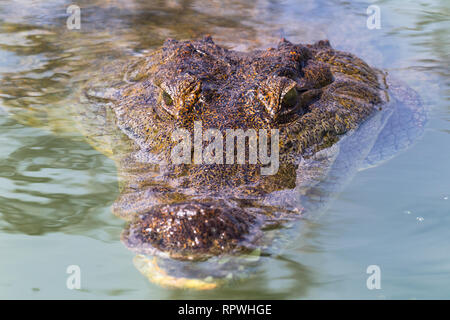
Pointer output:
x,y
312,94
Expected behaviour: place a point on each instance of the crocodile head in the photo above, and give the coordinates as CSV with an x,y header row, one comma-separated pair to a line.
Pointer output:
x,y
189,195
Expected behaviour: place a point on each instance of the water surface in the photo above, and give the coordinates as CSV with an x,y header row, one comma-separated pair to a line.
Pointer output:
x,y
56,189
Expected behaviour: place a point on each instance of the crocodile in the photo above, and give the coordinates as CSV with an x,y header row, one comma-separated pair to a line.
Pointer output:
x,y
326,114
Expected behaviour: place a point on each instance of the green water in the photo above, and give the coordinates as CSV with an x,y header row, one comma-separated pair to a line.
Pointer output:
x,y
56,189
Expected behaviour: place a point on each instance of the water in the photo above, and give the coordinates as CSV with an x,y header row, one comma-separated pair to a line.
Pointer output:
x,y
56,189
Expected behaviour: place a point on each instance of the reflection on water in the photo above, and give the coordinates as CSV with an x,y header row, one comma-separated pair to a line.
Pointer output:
x,y
56,190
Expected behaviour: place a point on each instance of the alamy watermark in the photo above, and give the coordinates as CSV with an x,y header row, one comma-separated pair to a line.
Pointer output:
x,y
213,152
374,280
74,280
374,17
74,19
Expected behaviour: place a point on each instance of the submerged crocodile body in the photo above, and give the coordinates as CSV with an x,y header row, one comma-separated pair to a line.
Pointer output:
x,y
314,96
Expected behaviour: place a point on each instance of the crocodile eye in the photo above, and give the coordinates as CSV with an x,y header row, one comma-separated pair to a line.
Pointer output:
x,y
290,99
279,96
178,94
167,98
167,103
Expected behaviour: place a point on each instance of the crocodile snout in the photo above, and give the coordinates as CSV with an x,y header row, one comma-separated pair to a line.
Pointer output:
x,y
189,231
